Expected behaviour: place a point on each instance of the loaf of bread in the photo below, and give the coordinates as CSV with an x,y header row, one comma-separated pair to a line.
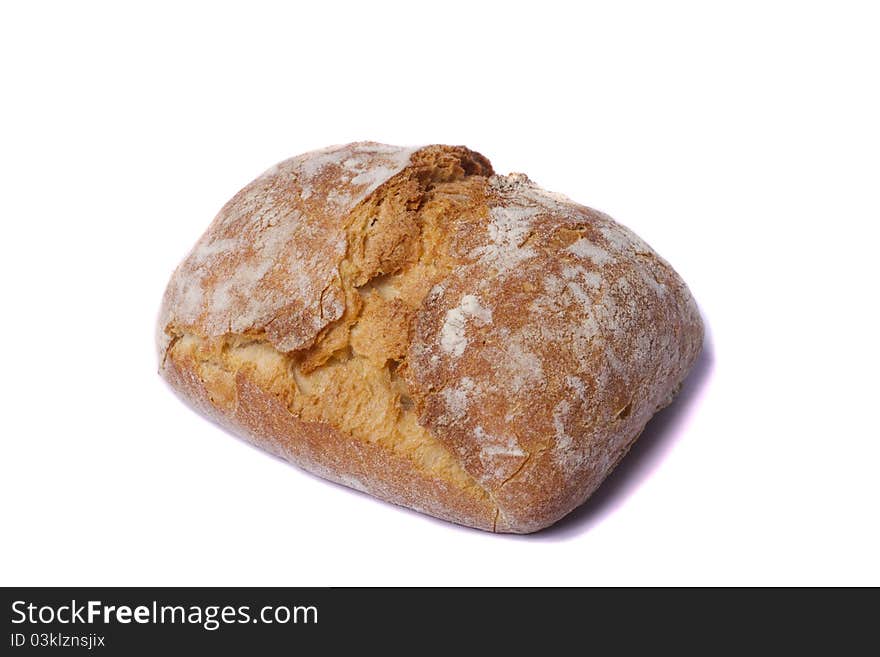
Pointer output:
x,y
405,322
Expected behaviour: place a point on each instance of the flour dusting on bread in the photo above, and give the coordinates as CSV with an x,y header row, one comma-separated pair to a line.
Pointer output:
x,y
453,337
261,266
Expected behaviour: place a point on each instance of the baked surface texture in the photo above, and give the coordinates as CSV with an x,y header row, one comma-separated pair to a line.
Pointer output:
x,y
406,322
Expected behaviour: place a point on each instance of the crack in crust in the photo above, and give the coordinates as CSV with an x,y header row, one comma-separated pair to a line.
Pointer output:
x,y
395,252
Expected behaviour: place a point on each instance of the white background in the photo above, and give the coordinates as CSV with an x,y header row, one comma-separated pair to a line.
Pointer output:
x,y
742,143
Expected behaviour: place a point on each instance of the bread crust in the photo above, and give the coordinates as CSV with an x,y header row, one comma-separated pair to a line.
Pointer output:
x,y
542,356
547,340
268,263
262,419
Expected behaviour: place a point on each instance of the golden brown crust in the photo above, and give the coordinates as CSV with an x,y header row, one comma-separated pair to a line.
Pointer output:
x,y
269,262
542,356
264,420
404,322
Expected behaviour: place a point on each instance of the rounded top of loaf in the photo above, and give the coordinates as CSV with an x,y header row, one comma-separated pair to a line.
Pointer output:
x,y
558,329
268,261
